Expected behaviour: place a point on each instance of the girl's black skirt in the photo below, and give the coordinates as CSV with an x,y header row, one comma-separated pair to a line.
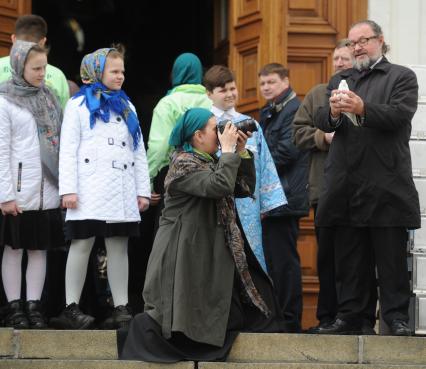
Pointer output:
x,y
82,229
33,230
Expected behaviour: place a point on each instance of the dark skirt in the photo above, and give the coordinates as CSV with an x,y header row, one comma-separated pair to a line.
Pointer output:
x,y
145,341
82,229
33,230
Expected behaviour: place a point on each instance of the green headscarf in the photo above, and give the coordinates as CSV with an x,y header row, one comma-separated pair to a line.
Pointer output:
x,y
193,120
187,69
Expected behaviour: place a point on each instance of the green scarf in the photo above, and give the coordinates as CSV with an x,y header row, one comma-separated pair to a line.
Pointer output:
x,y
193,120
187,69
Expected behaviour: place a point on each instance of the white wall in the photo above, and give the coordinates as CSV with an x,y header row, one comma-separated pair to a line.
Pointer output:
x,y
404,31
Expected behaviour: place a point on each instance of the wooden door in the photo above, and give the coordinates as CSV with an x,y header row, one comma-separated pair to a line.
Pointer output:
x,y
301,34
254,42
9,11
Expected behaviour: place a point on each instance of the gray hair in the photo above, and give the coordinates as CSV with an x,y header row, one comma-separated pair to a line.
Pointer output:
x,y
377,30
342,43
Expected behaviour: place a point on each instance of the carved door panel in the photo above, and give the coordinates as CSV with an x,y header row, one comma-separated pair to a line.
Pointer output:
x,y
9,11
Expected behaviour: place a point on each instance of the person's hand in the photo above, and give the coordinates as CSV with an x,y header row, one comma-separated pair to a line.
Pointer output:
x,y
10,208
334,100
228,139
328,137
143,203
155,199
345,102
352,103
242,140
69,201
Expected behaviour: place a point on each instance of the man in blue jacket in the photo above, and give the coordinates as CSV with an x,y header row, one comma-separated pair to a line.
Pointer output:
x,y
281,225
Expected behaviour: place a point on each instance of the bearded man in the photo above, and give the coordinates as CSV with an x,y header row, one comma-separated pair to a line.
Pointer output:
x,y
369,195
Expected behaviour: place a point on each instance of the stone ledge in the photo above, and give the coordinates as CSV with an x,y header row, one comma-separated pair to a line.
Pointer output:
x,y
6,342
228,365
87,364
56,344
394,350
248,347
257,347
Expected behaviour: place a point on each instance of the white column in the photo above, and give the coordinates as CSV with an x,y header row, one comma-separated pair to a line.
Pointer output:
x,y
402,28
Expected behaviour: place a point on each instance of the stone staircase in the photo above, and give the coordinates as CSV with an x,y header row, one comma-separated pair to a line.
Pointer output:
x,y
98,350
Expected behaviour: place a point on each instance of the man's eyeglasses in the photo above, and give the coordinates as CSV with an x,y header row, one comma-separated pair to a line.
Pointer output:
x,y
363,41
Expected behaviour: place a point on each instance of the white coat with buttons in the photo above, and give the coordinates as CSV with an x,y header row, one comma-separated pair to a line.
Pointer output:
x,y
101,167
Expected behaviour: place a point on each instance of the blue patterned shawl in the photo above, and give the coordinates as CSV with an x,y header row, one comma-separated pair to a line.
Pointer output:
x,y
268,193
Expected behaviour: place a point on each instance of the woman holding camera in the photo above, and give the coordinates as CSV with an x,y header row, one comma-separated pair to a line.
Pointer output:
x,y
199,290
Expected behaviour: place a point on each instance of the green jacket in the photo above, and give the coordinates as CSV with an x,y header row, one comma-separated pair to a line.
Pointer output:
x,y
55,80
308,137
168,110
190,275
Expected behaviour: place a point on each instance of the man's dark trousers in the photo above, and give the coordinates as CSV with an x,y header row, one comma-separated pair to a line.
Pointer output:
x,y
283,263
353,271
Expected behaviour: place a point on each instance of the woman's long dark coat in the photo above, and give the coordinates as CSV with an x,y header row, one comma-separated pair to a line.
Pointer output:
x,y
190,273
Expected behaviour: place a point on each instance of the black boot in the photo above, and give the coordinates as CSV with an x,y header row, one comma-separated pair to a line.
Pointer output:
x,y
34,315
15,316
72,318
120,318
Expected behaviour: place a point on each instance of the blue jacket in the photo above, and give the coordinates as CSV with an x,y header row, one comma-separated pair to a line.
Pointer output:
x,y
292,164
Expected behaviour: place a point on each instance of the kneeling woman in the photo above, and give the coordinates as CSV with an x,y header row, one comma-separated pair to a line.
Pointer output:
x,y
199,291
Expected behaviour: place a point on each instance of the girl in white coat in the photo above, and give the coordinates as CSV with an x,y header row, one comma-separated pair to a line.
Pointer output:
x,y
30,118
103,181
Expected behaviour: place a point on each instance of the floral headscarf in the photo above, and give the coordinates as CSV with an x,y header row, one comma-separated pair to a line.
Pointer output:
x,y
100,100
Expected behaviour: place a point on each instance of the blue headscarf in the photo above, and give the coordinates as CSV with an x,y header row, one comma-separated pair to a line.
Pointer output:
x,y
187,69
99,100
191,121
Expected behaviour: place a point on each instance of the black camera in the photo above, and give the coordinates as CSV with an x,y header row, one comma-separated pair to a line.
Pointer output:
x,y
245,125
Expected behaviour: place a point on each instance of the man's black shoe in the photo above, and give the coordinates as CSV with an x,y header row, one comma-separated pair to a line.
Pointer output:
x,y
72,318
400,328
340,326
315,329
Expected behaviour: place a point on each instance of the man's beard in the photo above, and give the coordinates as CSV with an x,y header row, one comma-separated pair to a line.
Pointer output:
x,y
363,64
366,62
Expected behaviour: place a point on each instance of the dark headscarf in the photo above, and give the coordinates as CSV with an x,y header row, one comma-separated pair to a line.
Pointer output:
x,y
187,69
193,120
41,103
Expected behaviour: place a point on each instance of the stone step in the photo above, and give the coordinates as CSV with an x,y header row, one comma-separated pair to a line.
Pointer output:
x,y
115,364
87,364
248,347
202,365
58,344
300,348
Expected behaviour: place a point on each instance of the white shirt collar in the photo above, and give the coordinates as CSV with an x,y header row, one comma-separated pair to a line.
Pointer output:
x,y
377,62
222,114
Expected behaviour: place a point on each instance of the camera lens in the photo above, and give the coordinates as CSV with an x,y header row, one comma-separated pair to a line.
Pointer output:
x,y
246,125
